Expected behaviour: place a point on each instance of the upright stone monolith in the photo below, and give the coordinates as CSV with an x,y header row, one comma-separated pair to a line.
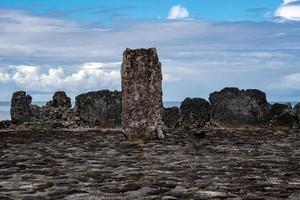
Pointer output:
x,y
142,94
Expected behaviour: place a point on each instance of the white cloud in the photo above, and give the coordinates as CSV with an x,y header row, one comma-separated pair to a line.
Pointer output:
x,y
88,76
290,81
178,12
66,55
4,77
289,10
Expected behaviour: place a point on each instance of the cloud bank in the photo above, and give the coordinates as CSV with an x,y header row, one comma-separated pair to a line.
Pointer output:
x,y
42,54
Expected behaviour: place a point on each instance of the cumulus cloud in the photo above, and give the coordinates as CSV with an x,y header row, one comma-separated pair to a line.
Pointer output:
x,y
178,12
289,10
88,76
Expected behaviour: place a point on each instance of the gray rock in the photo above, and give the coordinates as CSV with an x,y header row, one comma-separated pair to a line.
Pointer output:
x,y
60,99
278,108
171,117
20,110
142,94
30,116
232,106
195,113
102,108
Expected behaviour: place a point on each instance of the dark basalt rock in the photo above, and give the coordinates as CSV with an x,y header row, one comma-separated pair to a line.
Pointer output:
x,y
60,99
102,108
285,119
5,124
282,115
296,110
232,106
171,117
30,116
195,113
278,108
20,110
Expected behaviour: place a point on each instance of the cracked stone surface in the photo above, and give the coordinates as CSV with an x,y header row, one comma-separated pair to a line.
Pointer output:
x,y
142,106
226,164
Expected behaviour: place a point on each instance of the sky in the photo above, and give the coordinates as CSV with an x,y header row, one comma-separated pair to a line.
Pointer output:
x,y
203,45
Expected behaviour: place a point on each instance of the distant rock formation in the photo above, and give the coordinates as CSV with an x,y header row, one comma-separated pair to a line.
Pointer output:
x,y
60,99
232,106
102,108
56,113
195,113
20,110
171,117
282,115
142,94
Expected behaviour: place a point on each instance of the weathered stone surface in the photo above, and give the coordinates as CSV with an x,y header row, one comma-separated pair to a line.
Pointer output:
x,y
195,113
60,99
286,119
171,117
226,164
29,116
101,108
142,94
278,108
232,106
20,107
282,115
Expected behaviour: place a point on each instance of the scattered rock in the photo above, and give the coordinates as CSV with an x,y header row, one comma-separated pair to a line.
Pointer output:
x,y
171,117
20,107
142,94
195,113
232,106
102,108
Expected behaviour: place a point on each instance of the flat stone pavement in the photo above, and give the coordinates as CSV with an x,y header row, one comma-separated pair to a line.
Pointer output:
x,y
226,164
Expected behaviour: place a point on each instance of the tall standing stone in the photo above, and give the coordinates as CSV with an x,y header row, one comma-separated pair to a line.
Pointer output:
x,y
142,94
20,110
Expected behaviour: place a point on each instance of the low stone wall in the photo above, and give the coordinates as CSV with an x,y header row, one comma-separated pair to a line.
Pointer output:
x,y
228,107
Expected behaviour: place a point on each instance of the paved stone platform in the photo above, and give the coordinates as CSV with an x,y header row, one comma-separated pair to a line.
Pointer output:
x,y
226,164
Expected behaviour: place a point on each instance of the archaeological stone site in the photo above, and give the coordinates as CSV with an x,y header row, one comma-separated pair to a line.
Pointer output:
x,y
232,144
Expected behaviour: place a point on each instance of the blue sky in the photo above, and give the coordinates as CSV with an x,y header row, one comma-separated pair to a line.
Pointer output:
x,y
204,45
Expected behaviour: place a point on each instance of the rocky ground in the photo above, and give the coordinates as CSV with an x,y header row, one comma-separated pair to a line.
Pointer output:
x,y
226,164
